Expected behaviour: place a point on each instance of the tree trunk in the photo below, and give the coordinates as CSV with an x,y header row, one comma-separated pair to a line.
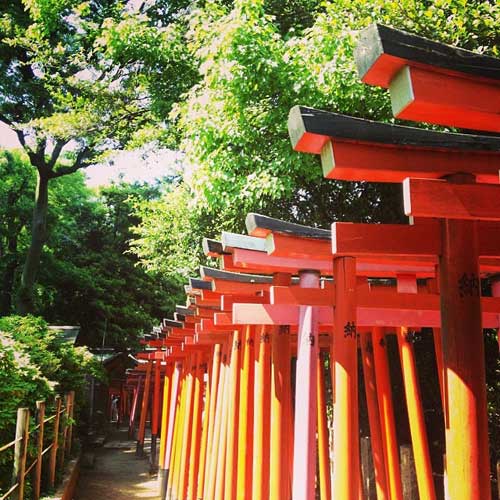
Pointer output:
x,y
25,302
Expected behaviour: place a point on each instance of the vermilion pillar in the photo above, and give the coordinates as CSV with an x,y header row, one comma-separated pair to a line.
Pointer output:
x,y
245,435
386,409
344,354
167,384
231,475
215,380
155,419
373,416
466,422
304,452
217,428
194,454
204,440
144,410
280,395
262,393
323,441
187,427
164,473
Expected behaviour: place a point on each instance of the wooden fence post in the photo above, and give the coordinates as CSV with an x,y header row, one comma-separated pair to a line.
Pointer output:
x,y
71,412
21,450
65,429
55,443
40,406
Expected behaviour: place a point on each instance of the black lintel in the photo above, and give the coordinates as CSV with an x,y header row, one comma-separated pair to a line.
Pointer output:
x,y
377,39
210,272
186,311
212,246
303,120
172,323
256,221
179,317
200,284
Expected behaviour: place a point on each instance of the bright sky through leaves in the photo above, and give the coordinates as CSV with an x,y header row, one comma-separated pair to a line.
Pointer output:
x,y
142,165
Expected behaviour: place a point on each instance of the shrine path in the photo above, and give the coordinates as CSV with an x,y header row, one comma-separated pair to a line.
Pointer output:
x,y
117,474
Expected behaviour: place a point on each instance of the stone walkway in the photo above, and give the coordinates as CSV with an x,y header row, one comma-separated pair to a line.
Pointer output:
x,y
117,473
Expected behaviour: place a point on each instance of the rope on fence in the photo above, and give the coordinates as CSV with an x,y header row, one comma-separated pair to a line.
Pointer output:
x,y
20,444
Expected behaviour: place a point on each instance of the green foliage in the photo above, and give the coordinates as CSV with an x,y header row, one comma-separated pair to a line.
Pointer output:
x,y
257,60
16,205
88,276
64,365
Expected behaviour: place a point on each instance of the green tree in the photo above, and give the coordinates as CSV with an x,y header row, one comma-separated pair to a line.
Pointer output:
x,y
255,64
16,206
72,90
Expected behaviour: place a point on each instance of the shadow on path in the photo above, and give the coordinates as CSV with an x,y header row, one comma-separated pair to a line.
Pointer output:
x,y
117,474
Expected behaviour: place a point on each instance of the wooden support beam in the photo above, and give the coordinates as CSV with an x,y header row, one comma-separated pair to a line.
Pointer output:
x,y
414,67
144,411
376,240
231,472
467,103
200,480
187,424
362,150
376,440
246,260
289,246
246,416
165,477
167,394
384,398
55,442
155,419
40,417
304,452
324,480
262,394
346,480
280,403
466,424
227,301
450,200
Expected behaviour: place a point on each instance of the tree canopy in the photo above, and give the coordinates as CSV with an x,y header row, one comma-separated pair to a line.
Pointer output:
x,y
255,62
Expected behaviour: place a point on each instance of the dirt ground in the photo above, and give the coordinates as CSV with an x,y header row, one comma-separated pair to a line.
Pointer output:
x,y
117,473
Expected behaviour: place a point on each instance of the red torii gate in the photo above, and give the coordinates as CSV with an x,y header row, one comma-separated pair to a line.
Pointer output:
x,y
353,149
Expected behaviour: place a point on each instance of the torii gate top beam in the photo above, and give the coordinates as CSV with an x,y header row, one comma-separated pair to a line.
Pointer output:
x,y
363,150
415,69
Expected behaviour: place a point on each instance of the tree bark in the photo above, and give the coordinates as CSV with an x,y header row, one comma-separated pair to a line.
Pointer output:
x,y
25,302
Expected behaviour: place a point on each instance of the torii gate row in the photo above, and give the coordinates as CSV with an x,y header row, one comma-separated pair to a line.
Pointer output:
x,y
185,369
289,315
425,304
447,166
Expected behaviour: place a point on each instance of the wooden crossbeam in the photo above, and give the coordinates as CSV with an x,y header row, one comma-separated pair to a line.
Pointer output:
x,y
227,301
364,150
367,316
370,267
264,263
358,240
438,198
414,68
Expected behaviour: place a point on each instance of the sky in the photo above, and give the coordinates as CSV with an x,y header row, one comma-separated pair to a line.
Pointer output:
x,y
143,165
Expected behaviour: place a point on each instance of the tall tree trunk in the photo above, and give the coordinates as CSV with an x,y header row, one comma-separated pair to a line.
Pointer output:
x,y
25,303
8,285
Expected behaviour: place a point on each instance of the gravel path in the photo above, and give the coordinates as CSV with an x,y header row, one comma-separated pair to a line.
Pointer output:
x,y
117,474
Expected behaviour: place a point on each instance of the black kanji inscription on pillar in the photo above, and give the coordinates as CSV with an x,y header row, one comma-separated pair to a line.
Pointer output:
x,y
350,329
